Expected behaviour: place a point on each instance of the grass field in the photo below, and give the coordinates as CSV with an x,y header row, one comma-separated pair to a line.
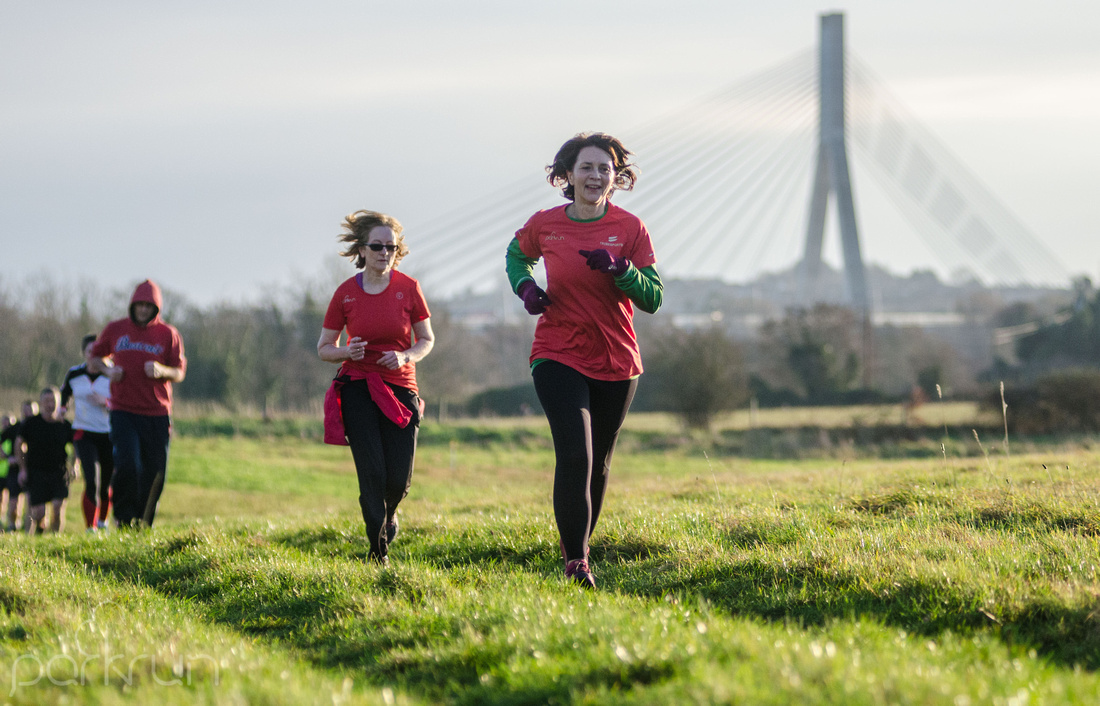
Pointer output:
x,y
957,580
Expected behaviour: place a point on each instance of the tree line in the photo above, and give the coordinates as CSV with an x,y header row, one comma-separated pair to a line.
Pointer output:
x,y
262,356
259,355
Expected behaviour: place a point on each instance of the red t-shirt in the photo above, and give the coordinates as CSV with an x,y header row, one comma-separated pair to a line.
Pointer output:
x,y
589,324
383,320
130,346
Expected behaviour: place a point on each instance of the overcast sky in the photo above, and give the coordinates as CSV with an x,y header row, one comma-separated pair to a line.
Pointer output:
x,y
216,146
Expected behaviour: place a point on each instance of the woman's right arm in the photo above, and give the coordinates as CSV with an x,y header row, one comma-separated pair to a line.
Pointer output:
x,y
519,267
332,353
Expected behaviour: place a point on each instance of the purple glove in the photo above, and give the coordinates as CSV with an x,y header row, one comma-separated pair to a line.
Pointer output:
x,y
534,299
603,261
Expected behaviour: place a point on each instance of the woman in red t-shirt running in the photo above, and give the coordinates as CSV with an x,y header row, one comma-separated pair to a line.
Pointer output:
x,y
374,396
585,361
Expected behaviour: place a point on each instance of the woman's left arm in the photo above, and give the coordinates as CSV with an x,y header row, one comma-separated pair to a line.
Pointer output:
x,y
425,340
643,286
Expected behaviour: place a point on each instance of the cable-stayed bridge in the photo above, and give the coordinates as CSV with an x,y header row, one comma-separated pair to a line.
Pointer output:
x,y
736,184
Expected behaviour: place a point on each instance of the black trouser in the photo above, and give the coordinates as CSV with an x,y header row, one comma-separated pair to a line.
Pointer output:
x,y
585,416
94,450
141,459
383,454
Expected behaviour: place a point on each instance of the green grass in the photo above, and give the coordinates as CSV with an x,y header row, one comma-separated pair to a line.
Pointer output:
x,y
862,581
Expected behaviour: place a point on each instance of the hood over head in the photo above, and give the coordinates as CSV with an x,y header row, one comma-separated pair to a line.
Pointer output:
x,y
147,291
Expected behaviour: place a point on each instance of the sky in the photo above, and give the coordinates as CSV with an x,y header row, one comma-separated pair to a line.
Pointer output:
x,y
216,147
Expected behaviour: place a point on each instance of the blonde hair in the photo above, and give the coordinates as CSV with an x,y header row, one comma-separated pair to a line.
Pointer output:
x,y
357,227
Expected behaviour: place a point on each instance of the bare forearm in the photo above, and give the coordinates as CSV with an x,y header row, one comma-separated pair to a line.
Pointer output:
x,y
167,372
420,349
425,340
160,371
332,353
99,365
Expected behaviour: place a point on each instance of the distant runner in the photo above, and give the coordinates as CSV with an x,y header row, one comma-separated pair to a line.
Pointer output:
x,y
91,393
14,485
44,441
142,356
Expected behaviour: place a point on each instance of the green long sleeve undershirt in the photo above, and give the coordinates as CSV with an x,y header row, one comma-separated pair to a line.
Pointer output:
x,y
642,285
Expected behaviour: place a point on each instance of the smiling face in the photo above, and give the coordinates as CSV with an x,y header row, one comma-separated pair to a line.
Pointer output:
x,y
379,261
592,177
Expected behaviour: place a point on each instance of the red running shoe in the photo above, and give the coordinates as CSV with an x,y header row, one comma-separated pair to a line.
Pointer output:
x,y
577,570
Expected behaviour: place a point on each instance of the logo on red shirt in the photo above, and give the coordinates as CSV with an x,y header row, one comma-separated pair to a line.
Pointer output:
x,y
125,344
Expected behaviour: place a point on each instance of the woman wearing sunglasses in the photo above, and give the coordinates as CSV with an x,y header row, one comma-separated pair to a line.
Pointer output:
x,y
585,361
373,405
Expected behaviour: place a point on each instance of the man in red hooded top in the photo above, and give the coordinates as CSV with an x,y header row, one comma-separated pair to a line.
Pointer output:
x,y
142,356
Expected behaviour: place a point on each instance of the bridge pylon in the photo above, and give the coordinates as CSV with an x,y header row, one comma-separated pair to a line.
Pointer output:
x,y
832,176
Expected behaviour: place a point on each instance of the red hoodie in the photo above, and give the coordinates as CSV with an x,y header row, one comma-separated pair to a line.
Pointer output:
x,y
130,346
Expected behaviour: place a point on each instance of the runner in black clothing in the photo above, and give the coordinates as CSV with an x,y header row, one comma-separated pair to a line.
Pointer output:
x,y
44,441
13,484
92,425
7,451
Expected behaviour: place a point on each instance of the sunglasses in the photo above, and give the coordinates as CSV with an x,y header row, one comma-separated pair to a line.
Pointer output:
x,y
377,247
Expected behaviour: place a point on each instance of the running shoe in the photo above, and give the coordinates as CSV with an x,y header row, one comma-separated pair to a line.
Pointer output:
x,y
578,571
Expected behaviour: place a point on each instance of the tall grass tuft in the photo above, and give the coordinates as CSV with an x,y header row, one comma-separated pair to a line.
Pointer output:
x,y
946,435
988,463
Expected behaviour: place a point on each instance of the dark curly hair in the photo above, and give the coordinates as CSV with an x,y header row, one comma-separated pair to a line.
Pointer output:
x,y
566,158
357,228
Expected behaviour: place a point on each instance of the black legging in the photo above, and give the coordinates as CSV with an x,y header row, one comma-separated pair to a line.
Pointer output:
x,y
383,454
94,451
585,416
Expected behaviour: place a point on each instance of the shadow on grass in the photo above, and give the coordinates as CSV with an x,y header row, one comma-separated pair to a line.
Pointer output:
x,y
12,602
610,551
346,543
813,594
1032,518
478,679
747,535
446,551
378,627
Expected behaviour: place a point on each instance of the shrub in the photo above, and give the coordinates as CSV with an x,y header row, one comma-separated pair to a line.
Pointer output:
x,y
517,400
1067,401
697,374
